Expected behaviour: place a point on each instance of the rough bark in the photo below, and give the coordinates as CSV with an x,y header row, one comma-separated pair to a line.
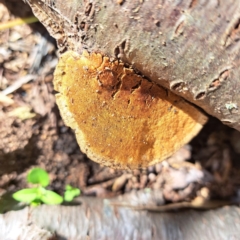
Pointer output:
x,y
99,219
188,46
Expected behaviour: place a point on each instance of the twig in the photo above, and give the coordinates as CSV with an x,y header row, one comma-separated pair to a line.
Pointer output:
x,y
18,84
18,21
210,204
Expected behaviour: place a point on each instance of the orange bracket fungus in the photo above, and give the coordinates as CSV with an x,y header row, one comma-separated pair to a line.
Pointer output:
x,y
120,119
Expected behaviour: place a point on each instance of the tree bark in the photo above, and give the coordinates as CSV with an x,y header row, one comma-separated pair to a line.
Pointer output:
x,y
99,219
188,46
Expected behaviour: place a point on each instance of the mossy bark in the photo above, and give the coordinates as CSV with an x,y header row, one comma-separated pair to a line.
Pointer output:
x,y
189,46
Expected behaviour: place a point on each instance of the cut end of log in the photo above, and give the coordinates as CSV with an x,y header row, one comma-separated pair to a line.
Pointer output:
x,y
121,120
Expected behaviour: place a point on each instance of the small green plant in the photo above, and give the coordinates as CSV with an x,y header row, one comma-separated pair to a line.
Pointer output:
x,y
70,193
39,194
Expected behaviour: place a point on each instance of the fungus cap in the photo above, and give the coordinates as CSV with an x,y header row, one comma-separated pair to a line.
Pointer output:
x,y
120,119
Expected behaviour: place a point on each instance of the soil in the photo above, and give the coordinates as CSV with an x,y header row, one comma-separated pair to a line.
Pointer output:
x,y
32,133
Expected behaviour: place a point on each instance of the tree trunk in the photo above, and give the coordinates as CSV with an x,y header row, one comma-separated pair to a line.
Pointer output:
x,y
99,219
188,46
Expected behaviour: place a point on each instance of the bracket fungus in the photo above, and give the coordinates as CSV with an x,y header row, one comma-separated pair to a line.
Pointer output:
x,y
121,119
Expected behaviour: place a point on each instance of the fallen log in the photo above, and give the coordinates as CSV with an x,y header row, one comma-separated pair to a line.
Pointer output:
x,y
100,219
190,47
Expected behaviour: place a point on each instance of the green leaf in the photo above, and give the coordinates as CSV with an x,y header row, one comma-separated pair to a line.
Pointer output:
x,y
68,187
36,203
71,193
51,197
26,195
38,176
68,196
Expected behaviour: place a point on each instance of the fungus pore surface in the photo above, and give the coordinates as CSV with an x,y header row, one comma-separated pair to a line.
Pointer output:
x,y
120,119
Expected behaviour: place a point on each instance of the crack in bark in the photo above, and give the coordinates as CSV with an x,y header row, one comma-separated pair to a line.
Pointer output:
x,y
193,3
177,85
216,83
200,96
231,32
